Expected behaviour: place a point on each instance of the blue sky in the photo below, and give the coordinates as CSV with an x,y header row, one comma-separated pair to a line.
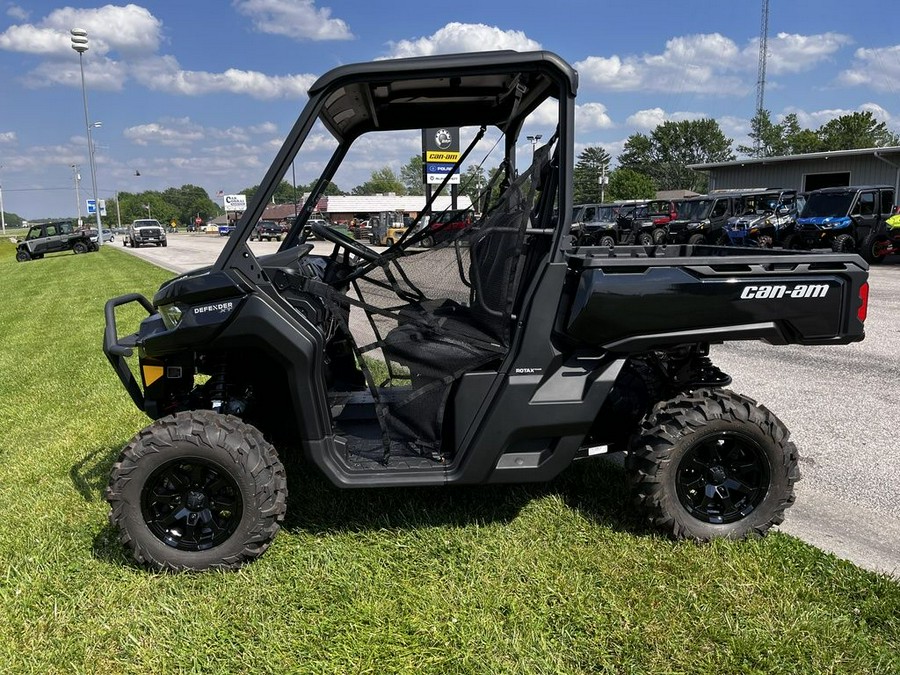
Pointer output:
x,y
203,92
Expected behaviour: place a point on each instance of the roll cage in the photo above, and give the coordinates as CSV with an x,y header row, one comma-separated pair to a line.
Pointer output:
x,y
499,90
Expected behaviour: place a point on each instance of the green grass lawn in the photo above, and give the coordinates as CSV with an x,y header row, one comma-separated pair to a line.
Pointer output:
x,y
554,578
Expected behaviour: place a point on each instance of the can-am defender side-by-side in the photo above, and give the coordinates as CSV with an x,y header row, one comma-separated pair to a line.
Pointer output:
x,y
500,354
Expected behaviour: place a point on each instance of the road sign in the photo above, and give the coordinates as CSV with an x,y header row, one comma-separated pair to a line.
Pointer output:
x,y
92,207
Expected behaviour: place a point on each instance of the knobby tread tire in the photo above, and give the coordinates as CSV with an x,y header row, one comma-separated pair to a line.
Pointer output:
x,y
667,433
843,243
235,445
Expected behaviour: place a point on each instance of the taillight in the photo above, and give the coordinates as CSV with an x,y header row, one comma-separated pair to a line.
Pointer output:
x,y
863,301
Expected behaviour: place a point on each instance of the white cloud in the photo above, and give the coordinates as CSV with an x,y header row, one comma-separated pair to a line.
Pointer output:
x,y
792,53
182,131
875,68
7,137
458,37
17,12
164,74
125,30
592,116
298,19
707,63
169,132
99,73
133,35
649,119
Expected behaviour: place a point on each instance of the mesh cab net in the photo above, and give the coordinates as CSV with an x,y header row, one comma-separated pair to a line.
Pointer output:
x,y
420,318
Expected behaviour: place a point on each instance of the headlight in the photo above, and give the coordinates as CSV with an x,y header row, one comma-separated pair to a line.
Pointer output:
x,y
171,315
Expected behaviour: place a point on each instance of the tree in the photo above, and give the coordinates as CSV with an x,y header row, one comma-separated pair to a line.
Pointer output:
x,y
411,176
856,130
472,182
666,153
592,164
768,138
382,181
630,184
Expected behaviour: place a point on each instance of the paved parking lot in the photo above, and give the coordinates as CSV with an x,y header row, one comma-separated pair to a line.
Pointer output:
x,y
840,404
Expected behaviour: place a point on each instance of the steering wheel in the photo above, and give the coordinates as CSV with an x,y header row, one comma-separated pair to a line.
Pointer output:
x,y
338,238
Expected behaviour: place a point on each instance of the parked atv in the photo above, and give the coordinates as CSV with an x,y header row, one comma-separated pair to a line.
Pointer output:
x,y
500,355
595,224
768,219
846,219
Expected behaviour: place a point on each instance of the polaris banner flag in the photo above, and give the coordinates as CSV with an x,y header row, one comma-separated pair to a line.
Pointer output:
x,y
440,151
235,202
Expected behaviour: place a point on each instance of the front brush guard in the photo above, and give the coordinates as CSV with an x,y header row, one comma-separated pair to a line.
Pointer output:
x,y
117,349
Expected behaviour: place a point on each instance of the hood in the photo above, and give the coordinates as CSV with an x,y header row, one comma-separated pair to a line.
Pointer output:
x,y
833,221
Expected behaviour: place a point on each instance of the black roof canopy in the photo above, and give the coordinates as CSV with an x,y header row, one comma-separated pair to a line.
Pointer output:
x,y
450,90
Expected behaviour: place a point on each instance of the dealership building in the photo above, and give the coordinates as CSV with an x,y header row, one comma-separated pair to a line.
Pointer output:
x,y
866,166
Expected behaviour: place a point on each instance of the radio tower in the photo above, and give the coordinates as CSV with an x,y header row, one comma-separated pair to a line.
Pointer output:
x,y
761,68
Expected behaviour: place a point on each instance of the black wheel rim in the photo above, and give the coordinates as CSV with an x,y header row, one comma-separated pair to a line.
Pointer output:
x,y
722,478
191,504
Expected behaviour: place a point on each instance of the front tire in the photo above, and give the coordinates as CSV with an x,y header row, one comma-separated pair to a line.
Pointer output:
x,y
197,491
660,235
606,241
80,247
696,240
713,464
843,243
23,256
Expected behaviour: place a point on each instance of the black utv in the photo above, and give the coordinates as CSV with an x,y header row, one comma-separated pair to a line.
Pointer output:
x,y
499,355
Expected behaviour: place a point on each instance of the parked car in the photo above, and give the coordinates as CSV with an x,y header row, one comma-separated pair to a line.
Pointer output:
x,y
53,237
145,231
846,219
268,230
444,226
108,235
226,229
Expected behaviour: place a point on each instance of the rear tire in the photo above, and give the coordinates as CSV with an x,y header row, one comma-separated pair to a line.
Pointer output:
x,y
874,248
843,243
80,247
645,239
606,241
696,239
660,236
713,464
428,241
196,491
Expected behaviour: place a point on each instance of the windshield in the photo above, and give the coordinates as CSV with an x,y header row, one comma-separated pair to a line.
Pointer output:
x,y
828,205
695,210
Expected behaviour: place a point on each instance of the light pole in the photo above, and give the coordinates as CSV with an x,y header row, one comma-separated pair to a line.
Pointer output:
x,y
77,178
80,45
534,139
2,215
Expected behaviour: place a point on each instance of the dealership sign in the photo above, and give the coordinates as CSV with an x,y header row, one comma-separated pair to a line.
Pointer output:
x,y
440,152
235,202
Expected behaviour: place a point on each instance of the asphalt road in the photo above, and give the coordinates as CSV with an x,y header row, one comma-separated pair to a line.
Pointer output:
x,y
841,404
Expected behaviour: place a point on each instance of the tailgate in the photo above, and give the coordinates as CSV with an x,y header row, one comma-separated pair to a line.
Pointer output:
x,y
630,302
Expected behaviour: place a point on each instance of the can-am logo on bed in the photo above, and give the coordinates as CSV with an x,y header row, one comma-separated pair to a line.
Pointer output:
x,y
770,291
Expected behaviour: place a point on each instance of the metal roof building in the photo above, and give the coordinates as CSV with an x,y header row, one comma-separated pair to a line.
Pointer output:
x,y
866,166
